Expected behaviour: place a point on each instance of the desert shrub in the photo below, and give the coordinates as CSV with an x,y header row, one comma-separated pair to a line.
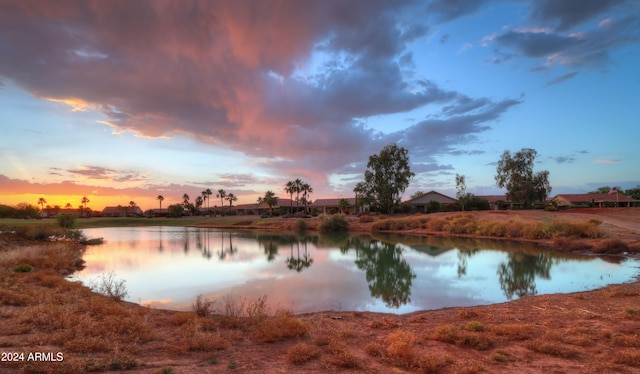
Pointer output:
x,y
334,223
400,347
461,225
474,326
109,286
437,224
572,244
67,221
301,225
433,206
280,327
551,208
491,228
365,219
374,349
462,337
627,357
515,331
301,353
611,246
501,356
24,268
203,307
551,347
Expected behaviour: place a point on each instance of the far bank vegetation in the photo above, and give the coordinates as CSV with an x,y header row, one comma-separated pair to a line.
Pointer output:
x,y
469,224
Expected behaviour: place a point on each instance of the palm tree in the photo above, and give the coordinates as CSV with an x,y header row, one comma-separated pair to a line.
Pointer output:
x,y
290,188
269,199
42,201
208,192
231,198
160,198
68,206
199,202
221,195
185,199
298,188
306,191
84,202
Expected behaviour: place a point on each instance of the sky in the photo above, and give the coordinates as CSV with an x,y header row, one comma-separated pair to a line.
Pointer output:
x,y
123,101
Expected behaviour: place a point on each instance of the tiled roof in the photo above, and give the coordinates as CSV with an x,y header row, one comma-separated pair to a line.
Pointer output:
x,y
596,197
333,202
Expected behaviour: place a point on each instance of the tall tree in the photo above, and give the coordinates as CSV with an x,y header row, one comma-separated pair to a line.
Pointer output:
x,y
42,201
185,200
290,188
68,206
416,194
231,198
270,199
160,198
522,184
208,192
84,202
461,190
297,188
361,194
221,195
199,202
306,192
387,176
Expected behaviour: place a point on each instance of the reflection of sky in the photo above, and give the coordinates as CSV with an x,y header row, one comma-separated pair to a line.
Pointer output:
x,y
168,267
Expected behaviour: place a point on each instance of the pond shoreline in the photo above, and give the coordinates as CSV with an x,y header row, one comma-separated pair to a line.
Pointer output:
x,y
591,331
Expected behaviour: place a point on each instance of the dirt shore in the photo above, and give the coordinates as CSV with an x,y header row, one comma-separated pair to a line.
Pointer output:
x,y
588,332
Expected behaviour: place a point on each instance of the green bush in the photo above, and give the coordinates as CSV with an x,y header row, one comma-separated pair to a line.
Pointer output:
x,y
68,221
301,224
25,268
334,223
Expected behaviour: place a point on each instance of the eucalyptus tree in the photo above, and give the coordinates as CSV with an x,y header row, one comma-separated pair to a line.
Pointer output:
x,y
522,184
387,176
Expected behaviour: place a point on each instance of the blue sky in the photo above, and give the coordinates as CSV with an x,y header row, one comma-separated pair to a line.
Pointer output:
x,y
122,101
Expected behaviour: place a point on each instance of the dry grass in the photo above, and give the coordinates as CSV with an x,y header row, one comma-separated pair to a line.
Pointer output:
x,y
629,357
553,348
514,331
284,325
302,352
462,337
611,246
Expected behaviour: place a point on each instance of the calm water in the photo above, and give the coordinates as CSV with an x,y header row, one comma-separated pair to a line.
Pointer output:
x,y
168,267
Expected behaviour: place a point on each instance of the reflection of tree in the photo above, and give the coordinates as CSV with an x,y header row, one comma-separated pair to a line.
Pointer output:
x,y
230,250
388,274
518,274
160,244
463,256
299,263
204,245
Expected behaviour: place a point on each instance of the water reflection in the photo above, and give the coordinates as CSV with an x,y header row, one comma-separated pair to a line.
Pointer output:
x,y
388,274
309,272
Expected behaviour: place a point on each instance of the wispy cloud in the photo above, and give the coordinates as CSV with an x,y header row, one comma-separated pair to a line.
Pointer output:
x,y
607,161
562,78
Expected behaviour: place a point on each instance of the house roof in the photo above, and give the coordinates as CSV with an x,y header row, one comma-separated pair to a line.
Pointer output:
x,y
596,197
324,203
118,209
494,198
421,199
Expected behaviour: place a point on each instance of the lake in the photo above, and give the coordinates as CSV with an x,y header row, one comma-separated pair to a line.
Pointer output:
x,y
168,267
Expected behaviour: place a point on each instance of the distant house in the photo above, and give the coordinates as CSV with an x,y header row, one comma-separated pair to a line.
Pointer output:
x,y
50,212
596,200
421,202
164,212
333,205
121,211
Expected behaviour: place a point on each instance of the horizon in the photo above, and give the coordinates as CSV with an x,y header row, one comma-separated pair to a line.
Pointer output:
x,y
126,101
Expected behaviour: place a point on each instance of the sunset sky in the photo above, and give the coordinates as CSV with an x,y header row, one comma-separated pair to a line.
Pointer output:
x,y
126,100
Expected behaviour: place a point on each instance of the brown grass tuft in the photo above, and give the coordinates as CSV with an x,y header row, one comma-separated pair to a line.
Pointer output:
x,y
301,353
552,348
462,337
627,357
280,327
611,246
